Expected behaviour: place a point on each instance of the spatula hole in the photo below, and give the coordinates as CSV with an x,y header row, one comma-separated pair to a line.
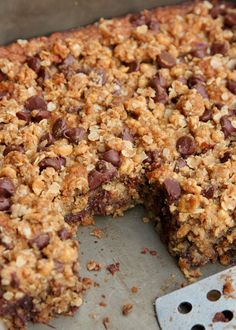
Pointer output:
x,y
213,295
185,307
198,327
228,315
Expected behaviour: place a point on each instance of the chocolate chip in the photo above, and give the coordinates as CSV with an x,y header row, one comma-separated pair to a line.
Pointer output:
x,y
70,59
40,115
172,189
208,192
161,79
133,66
112,156
15,282
26,303
186,145
41,241
45,141
3,76
95,179
74,135
225,157
138,19
180,163
227,128
43,75
126,135
4,204
35,103
154,25
199,50
58,128
75,218
216,11
231,85
158,80
166,60
100,200
104,173
207,115
175,99
64,234
218,105
55,162
156,83
201,90
153,159
24,115
182,80
141,19
195,79
3,94
13,147
7,188
219,48
34,63
74,109
230,20
231,112
161,95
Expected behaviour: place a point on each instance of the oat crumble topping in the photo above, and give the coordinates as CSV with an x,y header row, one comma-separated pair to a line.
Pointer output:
x,y
139,109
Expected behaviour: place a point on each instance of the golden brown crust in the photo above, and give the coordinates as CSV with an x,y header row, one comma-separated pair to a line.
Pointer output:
x,y
92,121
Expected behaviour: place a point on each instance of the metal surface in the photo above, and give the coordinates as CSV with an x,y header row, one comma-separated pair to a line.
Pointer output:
x,y
154,276
28,18
126,237
190,307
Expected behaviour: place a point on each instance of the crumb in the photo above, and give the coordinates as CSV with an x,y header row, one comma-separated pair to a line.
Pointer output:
x,y
93,316
145,250
219,317
96,232
93,266
146,220
228,287
134,289
103,296
153,253
113,268
105,322
87,282
102,304
127,309
96,285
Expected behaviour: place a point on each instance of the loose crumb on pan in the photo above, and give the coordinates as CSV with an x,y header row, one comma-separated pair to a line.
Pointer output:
x,y
113,268
127,309
92,265
106,322
97,232
228,287
134,289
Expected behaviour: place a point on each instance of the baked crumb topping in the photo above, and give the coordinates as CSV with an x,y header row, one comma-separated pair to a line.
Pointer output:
x,y
139,109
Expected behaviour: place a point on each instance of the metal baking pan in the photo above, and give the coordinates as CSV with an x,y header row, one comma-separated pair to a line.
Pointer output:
x,y
125,237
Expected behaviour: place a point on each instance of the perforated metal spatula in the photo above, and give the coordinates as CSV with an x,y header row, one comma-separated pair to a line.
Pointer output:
x,y
207,304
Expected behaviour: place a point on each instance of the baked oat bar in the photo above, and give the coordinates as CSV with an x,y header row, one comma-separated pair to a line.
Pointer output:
x,y
139,109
